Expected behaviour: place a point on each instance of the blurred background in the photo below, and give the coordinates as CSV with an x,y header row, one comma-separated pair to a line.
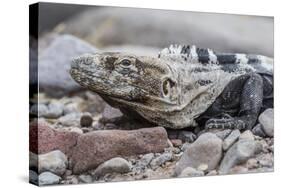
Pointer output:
x,y
133,28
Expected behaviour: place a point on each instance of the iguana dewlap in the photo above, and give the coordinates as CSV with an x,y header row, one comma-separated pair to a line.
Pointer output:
x,y
182,86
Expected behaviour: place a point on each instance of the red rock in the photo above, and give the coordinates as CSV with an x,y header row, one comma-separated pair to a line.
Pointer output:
x,y
96,147
176,142
43,139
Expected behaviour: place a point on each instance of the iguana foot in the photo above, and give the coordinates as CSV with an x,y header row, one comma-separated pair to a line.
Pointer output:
x,y
226,123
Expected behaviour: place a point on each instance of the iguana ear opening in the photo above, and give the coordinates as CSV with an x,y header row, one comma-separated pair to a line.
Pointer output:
x,y
168,88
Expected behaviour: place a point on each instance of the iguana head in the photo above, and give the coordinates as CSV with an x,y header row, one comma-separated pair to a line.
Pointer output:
x,y
134,81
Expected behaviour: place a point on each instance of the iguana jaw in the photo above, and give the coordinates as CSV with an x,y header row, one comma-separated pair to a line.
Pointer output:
x,y
126,79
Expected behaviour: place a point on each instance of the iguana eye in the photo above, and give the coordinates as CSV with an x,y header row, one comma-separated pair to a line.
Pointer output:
x,y
125,63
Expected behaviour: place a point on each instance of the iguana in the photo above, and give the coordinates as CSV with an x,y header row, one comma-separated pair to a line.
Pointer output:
x,y
184,86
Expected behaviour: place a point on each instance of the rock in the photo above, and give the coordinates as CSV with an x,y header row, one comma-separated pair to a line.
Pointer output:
x,y
70,108
111,114
43,139
266,160
258,130
72,129
39,109
54,161
48,178
240,152
212,173
176,142
252,163
230,139
70,180
247,135
114,165
207,149
187,136
86,120
70,120
142,163
238,170
52,110
223,134
55,110
33,177
54,64
160,160
85,178
202,167
189,171
96,147
115,26
33,161
266,120
145,160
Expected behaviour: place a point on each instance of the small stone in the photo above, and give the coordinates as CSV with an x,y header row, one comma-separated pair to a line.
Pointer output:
x,y
212,173
176,142
70,120
203,167
73,129
114,165
266,120
85,178
252,163
189,171
52,110
230,139
247,135
86,120
160,160
187,136
33,177
258,131
48,178
55,110
111,114
110,126
207,149
238,170
39,109
266,160
54,161
146,159
70,108
223,134
238,153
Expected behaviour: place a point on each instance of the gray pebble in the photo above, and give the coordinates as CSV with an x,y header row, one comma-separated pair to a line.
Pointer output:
x,y
114,165
240,152
86,120
48,178
266,120
54,161
33,177
85,178
160,160
207,149
189,171
230,139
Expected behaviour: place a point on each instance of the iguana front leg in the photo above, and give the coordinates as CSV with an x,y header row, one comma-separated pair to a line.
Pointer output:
x,y
250,103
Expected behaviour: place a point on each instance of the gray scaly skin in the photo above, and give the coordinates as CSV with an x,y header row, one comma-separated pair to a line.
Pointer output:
x,y
183,87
